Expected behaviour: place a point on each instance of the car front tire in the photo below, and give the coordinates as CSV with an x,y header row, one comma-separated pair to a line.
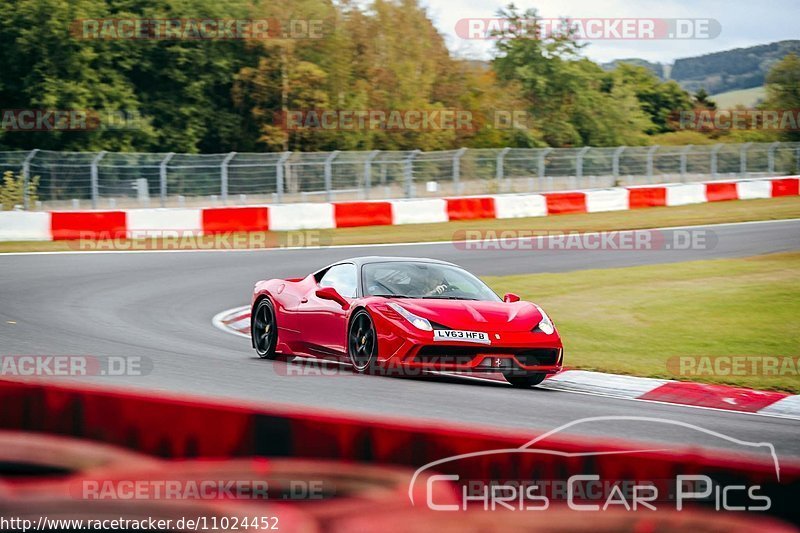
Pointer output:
x,y
362,341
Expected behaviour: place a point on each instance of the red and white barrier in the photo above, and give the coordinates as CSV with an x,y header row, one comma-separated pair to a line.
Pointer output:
x,y
753,189
470,208
648,196
227,219
419,211
563,203
721,192
686,193
87,225
292,217
520,206
23,226
617,199
785,186
355,214
147,221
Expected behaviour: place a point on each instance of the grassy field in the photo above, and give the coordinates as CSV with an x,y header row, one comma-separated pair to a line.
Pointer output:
x,y
633,320
733,211
746,97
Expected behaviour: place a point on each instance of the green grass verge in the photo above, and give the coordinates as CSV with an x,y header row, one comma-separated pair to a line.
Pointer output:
x,y
710,213
633,320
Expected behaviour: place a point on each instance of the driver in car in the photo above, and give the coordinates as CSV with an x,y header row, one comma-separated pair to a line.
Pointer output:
x,y
436,283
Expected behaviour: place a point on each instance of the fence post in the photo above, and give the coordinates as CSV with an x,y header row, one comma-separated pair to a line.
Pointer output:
x,y
579,163
714,151
499,172
684,153
541,166
615,163
368,171
94,178
223,174
329,174
26,176
771,157
408,172
457,169
162,177
743,159
650,155
279,175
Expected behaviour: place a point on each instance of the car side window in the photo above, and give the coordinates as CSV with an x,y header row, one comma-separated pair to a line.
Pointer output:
x,y
342,278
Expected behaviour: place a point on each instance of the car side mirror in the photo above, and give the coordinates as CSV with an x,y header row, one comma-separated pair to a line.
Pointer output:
x,y
329,293
510,298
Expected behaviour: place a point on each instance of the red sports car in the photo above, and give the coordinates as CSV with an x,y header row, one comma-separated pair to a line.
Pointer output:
x,y
407,315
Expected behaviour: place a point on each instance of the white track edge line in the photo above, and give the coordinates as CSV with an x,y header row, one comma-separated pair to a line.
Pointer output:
x,y
217,321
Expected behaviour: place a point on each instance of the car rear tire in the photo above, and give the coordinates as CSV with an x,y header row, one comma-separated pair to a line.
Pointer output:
x,y
362,341
264,330
524,381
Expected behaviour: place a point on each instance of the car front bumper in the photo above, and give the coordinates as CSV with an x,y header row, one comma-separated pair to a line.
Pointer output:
x,y
507,352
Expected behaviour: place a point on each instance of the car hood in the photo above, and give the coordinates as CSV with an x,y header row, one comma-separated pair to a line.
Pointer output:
x,y
476,316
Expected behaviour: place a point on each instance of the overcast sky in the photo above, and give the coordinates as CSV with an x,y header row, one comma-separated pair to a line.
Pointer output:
x,y
743,23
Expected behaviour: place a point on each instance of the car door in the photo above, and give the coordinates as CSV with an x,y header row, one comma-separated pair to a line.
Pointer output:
x,y
324,322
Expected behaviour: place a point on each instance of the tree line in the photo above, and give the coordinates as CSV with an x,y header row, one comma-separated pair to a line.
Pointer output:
x,y
221,95
740,68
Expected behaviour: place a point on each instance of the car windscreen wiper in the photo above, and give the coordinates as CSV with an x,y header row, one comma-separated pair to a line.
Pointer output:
x,y
392,296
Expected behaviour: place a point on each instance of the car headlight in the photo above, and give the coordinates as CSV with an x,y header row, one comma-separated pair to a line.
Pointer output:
x,y
545,324
416,321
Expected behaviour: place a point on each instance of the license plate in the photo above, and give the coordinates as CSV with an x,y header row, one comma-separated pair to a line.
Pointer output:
x,y
453,335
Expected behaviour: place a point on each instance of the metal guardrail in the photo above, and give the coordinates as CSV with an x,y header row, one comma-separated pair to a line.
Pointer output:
x,y
109,179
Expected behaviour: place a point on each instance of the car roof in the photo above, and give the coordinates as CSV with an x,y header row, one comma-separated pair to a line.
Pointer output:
x,y
364,260
388,259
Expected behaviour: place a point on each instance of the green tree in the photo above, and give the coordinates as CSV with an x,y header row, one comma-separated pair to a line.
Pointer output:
x,y
703,100
662,101
12,191
783,90
571,99
46,67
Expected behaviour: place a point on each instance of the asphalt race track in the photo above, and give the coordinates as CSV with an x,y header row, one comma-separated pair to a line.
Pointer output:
x,y
159,306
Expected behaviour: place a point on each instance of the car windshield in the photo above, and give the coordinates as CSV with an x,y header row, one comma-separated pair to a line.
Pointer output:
x,y
410,279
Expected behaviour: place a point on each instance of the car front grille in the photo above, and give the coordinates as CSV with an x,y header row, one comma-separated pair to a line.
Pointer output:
x,y
538,356
462,355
